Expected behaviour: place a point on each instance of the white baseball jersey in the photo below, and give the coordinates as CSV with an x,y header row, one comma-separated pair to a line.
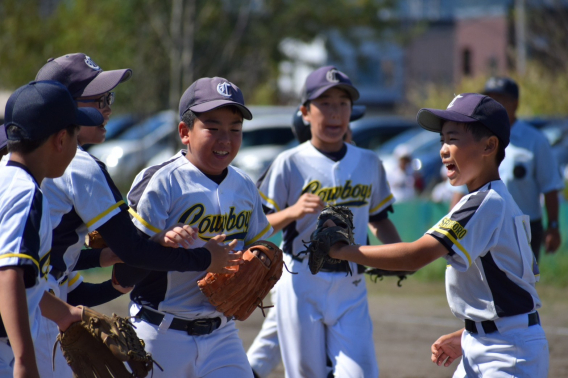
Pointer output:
x,y
25,233
492,271
177,192
358,181
81,200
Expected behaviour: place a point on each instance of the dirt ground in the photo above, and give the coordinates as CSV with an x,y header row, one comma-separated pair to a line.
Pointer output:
x,y
408,320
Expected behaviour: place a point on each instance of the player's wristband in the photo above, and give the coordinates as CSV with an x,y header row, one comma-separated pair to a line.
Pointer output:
x,y
553,225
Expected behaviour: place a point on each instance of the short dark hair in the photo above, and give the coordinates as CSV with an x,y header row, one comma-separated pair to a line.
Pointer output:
x,y
478,130
25,145
189,116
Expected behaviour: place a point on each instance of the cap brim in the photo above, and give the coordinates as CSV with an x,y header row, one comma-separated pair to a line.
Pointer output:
x,y
433,119
357,112
353,92
105,81
89,117
210,105
3,137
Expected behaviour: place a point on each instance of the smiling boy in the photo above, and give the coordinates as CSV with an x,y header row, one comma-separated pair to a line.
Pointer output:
x,y
199,188
325,316
491,276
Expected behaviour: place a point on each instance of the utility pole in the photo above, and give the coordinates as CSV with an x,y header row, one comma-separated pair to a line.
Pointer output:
x,y
520,36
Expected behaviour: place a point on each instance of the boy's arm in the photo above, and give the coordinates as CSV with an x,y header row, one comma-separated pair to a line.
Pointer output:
x,y
385,231
447,348
307,204
397,256
552,237
14,310
63,314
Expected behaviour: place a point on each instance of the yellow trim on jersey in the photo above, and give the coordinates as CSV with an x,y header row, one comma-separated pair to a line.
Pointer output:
x,y
106,212
141,220
75,279
257,237
456,243
381,204
269,201
20,256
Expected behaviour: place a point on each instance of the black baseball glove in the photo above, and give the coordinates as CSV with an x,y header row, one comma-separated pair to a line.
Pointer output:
x,y
324,237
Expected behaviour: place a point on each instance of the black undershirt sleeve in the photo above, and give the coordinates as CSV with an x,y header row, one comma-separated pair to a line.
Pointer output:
x,y
128,276
122,237
382,215
89,258
91,294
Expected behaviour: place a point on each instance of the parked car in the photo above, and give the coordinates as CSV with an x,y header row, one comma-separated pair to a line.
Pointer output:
x,y
132,150
116,126
373,131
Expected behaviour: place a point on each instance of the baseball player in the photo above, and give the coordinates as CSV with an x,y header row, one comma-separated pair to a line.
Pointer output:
x,y
491,276
85,198
197,187
529,169
3,141
264,353
41,126
327,314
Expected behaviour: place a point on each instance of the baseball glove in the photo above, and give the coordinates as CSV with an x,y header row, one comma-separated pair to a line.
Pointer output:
x,y
238,294
324,237
376,274
95,240
98,346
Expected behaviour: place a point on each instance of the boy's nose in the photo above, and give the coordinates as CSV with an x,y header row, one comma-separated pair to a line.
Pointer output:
x,y
444,150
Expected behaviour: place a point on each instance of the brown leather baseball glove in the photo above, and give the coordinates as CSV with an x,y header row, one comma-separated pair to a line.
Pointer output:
x,y
98,346
95,240
238,294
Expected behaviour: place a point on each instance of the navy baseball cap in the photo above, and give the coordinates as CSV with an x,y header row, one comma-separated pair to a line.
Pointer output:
x,y
42,108
3,138
502,85
324,78
210,93
81,75
468,108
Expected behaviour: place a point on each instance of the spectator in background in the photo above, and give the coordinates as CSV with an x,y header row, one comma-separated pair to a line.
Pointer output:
x,y
401,179
442,191
529,169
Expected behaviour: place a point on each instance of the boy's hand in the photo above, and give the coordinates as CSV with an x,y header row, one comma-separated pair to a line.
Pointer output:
x,y
178,235
552,240
308,203
447,348
221,256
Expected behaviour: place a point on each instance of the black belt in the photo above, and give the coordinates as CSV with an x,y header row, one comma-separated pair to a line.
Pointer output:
x,y
490,327
197,327
328,267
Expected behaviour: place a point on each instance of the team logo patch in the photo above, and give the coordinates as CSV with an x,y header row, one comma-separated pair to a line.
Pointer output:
x,y
454,100
332,76
356,282
89,62
224,89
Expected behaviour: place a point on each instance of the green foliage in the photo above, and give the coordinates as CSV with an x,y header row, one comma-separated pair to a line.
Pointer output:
x,y
542,92
234,39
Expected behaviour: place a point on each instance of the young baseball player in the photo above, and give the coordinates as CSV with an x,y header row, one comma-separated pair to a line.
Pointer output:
x,y
41,125
491,276
197,187
85,198
325,315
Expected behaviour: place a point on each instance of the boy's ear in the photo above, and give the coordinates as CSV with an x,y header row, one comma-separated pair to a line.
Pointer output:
x,y
305,113
491,145
183,131
58,140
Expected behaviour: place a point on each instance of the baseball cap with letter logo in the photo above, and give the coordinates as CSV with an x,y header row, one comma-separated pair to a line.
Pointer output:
x,y
209,93
324,78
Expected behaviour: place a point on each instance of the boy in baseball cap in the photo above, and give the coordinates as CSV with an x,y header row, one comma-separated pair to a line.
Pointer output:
x,y
199,188
41,121
491,274
3,141
325,317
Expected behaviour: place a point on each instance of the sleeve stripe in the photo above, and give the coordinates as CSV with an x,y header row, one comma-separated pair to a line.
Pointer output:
x,y
20,256
453,240
257,237
146,224
106,212
75,279
269,201
383,202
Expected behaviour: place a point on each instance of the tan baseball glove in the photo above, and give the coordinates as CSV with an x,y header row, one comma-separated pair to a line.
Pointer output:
x,y
95,240
98,346
238,294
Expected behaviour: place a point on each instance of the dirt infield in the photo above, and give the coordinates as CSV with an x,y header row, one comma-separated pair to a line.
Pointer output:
x,y
408,320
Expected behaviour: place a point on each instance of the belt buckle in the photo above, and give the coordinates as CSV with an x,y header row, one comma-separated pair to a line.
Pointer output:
x,y
200,327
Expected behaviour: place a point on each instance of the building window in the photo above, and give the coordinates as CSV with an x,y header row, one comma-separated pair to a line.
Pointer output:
x,y
466,62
